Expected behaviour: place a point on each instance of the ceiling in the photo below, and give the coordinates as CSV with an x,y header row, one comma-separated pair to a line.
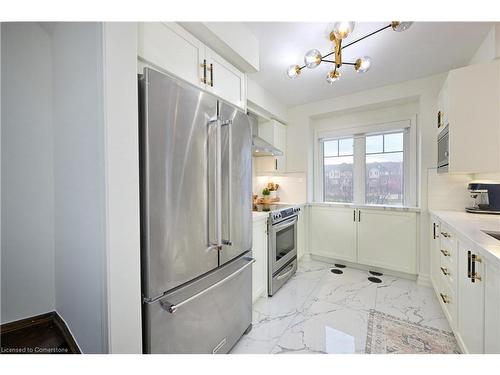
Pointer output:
x,y
426,48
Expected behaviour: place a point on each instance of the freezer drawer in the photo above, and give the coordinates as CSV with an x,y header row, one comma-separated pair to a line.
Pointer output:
x,y
206,316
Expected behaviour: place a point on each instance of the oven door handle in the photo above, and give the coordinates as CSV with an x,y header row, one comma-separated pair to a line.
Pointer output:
x,y
285,223
286,274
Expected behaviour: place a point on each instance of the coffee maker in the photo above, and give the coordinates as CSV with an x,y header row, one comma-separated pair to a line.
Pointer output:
x,y
486,197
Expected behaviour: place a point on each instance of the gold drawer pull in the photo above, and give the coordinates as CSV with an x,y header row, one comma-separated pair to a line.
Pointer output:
x,y
475,276
444,297
446,253
444,271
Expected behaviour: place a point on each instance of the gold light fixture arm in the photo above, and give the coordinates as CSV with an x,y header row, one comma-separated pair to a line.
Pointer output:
x,y
338,53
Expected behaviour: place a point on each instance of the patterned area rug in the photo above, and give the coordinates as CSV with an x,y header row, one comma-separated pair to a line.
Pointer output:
x,y
388,334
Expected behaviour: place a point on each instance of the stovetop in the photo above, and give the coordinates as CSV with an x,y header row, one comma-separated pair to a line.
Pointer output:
x,y
271,207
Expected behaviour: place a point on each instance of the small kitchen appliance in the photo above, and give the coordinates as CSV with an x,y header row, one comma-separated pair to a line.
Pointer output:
x,y
486,197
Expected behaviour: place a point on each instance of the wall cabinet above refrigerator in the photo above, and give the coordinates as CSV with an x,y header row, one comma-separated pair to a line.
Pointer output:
x,y
469,108
169,47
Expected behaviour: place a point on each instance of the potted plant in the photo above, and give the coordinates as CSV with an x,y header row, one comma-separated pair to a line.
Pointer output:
x,y
266,196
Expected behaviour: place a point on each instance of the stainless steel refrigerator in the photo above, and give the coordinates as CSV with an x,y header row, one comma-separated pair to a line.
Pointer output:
x,y
196,223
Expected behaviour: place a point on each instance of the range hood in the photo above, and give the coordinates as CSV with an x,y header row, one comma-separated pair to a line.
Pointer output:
x,y
261,147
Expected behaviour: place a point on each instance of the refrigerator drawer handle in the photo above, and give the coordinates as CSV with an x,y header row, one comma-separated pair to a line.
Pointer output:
x,y
172,307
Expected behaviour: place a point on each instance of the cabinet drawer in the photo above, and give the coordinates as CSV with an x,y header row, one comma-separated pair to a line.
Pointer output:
x,y
448,241
448,272
448,302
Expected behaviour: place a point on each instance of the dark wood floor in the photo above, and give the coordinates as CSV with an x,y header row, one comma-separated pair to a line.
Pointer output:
x,y
42,334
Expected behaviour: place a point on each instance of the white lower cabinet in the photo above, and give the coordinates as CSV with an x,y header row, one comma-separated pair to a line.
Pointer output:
x,y
380,238
388,239
467,287
333,233
491,309
259,253
470,298
302,233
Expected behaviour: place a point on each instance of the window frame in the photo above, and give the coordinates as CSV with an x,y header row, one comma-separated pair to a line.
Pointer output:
x,y
359,144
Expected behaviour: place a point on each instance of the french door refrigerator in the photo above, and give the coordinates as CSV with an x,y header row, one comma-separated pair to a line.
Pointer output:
x,y
196,218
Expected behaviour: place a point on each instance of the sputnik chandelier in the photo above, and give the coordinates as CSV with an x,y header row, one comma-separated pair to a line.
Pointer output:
x,y
336,32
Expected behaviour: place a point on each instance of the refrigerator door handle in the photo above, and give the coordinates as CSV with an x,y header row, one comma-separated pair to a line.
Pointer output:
x,y
217,245
228,124
172,307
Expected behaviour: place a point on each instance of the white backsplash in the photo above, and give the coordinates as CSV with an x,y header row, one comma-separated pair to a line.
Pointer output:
x,y
292,186
448,191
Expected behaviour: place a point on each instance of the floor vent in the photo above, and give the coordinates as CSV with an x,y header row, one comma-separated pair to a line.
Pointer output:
x,y
336,271
374,280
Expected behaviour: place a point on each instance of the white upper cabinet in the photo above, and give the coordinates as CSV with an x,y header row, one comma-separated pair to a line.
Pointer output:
x,y
225,80
169,47
273,132
388,239
469,103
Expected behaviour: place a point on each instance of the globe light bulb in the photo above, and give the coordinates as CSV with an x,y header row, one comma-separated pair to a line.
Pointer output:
x,y
363,64
332,76
312,58
400,26
293,71
342,29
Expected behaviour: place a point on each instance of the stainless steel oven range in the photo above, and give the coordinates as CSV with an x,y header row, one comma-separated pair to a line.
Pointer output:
x,y
282,246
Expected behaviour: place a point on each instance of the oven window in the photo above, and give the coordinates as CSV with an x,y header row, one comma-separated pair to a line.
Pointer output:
x,y
285,241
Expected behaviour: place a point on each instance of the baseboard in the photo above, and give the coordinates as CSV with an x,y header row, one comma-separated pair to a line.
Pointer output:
x,y
424,279
39,320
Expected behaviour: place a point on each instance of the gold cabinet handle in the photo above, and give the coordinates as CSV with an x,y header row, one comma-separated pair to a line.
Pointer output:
x,y
475,277
444,271
446,253
444,297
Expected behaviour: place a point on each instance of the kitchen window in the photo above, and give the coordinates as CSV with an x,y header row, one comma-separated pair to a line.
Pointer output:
x,y
338,166
367,167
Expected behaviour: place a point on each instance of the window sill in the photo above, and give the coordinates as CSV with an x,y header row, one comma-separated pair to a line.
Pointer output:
x,y
366,206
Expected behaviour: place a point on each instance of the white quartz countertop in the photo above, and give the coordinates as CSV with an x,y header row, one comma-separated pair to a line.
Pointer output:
x,y
471,227
366,206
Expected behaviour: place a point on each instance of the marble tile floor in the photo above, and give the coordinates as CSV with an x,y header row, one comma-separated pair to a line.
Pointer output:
x,y
320,312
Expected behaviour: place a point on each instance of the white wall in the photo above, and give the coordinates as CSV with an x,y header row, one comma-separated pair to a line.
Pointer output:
x,y
80,242
424,91
122,189
27,189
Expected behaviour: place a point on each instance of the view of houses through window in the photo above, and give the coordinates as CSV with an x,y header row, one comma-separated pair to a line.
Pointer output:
x,y
384,169
383,165
338,170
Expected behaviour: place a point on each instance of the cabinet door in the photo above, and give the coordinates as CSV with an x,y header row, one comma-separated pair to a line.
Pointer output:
x,y
259,252
388,239
171,48
333,233
480,109
470,301
492,310
225,80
